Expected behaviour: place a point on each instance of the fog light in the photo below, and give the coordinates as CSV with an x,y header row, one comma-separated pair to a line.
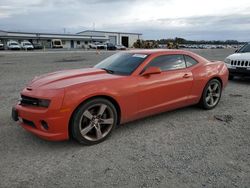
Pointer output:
x,y
44,125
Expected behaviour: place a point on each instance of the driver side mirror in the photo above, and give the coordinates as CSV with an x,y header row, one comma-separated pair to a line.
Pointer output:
x,y
151,70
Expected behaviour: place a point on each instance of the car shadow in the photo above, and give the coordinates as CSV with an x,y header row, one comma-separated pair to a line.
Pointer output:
x,y
120,130
51,144
241,80
154,119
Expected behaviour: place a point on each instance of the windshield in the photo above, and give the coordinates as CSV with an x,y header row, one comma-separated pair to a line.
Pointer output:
x,y
27,44
122,63
244,49
13,43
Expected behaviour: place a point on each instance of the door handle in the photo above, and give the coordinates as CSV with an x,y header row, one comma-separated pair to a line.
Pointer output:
x,y
186,75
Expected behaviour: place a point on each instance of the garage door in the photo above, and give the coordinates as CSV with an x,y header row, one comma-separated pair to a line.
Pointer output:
x,y
125,41
112,39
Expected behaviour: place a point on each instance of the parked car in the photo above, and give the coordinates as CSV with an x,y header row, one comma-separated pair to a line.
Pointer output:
x,y
239,63
97,45
1,46
120,47
37,46
101,46
56,43
110,46
92,45
26,45
13,45
88,103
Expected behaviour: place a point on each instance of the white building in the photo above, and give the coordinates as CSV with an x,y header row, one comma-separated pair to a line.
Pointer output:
x,y
126,39
79,40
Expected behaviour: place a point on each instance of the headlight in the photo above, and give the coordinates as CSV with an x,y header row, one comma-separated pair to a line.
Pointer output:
x,y
227,61
30,101
43,103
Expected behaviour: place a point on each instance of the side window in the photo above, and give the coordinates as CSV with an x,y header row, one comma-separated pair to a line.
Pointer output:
x,y
168,62
190,61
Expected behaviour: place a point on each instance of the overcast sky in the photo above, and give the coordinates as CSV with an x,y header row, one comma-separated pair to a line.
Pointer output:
x,y
155,19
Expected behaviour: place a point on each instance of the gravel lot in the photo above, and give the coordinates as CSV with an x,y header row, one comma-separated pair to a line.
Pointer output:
x,y
188,147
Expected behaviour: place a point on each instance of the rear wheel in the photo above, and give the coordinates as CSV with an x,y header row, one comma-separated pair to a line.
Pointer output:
x,y
93,121
211,94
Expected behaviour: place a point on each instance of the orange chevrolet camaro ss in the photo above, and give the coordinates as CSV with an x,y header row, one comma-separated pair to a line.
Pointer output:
x,y
86,104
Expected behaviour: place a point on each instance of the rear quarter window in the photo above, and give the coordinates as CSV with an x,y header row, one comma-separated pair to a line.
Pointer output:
x,y
190,61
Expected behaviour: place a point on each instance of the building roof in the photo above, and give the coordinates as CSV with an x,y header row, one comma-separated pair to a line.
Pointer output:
x,y
84,35
15,34
38,33
95,31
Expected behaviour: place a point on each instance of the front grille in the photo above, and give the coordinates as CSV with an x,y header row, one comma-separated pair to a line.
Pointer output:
x,y
29,101
240,63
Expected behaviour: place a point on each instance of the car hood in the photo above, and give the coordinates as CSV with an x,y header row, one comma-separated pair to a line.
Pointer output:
x,y
67,78
239,56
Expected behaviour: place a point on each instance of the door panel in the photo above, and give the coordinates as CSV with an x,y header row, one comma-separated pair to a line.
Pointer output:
x,y
72,44
164,91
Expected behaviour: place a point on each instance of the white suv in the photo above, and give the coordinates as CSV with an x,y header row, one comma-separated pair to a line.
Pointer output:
x,y
238,63
26,45
13,45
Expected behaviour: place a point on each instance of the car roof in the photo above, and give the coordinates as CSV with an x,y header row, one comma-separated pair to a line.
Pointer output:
x,y
157,51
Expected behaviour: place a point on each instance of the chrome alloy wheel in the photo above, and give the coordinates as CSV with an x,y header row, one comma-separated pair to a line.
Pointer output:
x,y
96,122
213,94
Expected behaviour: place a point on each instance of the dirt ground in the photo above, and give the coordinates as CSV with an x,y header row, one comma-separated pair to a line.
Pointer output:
x,y
188,147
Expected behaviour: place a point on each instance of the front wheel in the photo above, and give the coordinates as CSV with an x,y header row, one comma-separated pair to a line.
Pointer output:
x,y
93,121
211,94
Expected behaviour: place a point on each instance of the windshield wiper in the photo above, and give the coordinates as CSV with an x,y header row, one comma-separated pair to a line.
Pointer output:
x,y
108,70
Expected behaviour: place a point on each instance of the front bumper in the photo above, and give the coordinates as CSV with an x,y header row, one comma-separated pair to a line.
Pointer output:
x,y
31,118
15,48
28,48
239,71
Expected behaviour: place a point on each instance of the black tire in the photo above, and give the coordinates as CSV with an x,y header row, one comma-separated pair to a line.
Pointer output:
x,y
230,77
206,101
82,121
